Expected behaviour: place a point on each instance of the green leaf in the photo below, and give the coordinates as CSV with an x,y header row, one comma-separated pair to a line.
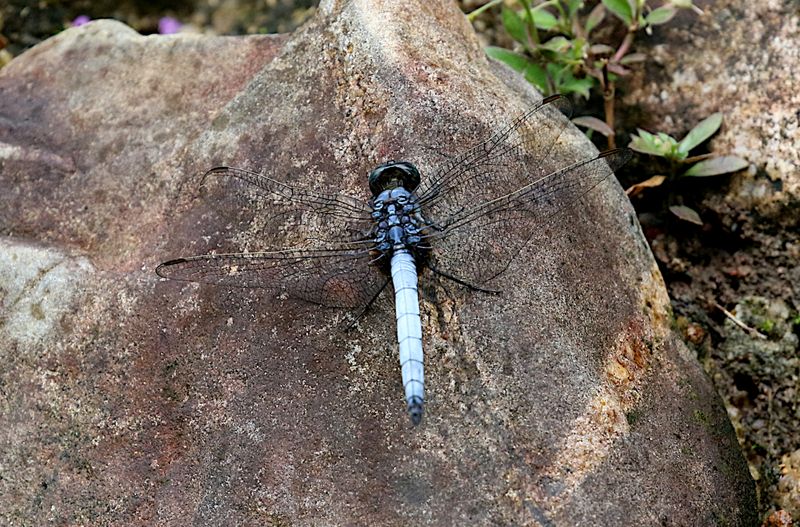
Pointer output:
x,y
537,76
515,26
515,60
544,20
579,86
595,17
716,166
593,123
644,147
647,143
573,6
660,15
700,133
557,44
620,8
665,138
686,214
555,72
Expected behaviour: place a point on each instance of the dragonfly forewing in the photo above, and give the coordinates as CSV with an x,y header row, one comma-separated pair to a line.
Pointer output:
x,y
478,244
513,157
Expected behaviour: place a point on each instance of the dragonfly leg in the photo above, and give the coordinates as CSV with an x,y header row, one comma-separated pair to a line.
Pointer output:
x,y
366,307
462,282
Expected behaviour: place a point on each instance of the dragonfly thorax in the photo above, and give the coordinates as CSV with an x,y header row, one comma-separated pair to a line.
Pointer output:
x,y
397,220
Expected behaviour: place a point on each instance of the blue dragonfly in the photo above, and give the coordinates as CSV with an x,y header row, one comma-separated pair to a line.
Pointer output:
x,y
465,222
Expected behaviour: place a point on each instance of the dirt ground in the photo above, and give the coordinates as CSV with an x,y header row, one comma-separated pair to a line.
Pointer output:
x,y
733,282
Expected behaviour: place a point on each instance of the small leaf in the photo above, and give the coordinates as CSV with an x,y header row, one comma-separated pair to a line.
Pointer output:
x,y
686,214
637,188
633,58
593,123
619,70
537,76
670,146
573,6
555,72
595,18
717,166
577,50
700,133
620,8
601,49
657,145
643,147
660,15
515,60
579,86
515,26
544,20
558,44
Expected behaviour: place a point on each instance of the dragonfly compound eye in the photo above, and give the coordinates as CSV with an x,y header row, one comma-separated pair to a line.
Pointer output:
x,y
392,175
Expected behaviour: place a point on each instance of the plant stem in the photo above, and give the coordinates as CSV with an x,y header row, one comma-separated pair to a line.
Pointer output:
x,y
532,32
608,105
625,46
695,159
474,14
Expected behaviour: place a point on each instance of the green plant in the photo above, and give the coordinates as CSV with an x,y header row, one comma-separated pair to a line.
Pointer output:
x,y
677,153
558,53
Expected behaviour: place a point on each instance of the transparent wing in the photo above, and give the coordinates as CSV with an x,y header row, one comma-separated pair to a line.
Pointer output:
x,y
335,278
334,267
476,244
512,158
273,202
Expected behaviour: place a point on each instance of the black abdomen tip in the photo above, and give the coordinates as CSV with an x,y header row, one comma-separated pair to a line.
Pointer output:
x,y
415,410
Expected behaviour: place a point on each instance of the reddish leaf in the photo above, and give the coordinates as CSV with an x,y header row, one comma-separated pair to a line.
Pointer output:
x,y
593,123
637,188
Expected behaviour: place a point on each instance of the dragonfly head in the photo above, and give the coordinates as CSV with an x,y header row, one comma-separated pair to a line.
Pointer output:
x,y
393,174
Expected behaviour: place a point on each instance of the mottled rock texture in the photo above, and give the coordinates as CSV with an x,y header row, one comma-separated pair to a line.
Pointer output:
x,y
740,58
127,400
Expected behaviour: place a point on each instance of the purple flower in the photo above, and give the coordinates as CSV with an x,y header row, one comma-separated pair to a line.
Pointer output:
x,y
80,20
168,25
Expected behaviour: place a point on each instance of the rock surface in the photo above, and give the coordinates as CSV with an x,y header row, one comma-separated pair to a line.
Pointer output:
x,y
131,401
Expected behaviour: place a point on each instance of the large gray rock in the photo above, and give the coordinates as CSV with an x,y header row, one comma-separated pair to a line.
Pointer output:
x,y
133,401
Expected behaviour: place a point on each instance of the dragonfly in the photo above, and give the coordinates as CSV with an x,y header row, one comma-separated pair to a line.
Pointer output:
x,y
465,222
